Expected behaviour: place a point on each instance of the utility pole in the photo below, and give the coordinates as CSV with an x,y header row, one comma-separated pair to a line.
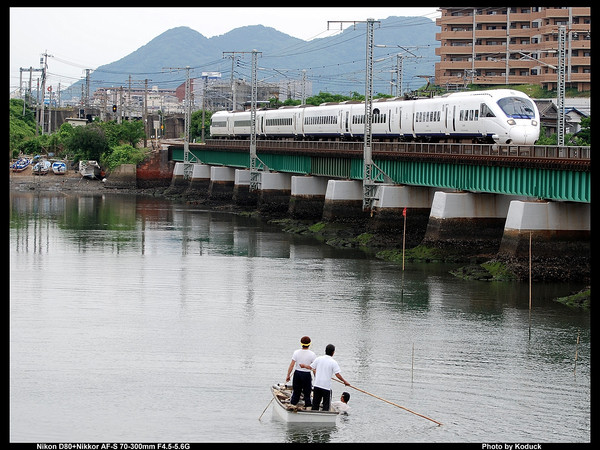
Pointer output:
x,y
369,186
188,162
145,111
128,112
256,165
44,68
87,88
204,83
303,101
399,63
27,96
232,80
560,86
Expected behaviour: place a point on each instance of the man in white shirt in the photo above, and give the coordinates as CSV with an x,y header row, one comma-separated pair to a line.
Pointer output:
x,y
325,367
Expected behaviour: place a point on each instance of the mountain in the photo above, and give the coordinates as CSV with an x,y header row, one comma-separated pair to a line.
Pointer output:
x,y
334,64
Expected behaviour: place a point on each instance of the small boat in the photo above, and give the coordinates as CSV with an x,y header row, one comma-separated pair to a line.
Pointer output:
x,y
59,167
297,413
89,169
41,167
20,165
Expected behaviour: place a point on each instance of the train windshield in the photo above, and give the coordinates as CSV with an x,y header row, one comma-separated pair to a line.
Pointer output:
x,y
517,108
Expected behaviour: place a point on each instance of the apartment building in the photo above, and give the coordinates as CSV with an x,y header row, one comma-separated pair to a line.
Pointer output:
x,y
513,45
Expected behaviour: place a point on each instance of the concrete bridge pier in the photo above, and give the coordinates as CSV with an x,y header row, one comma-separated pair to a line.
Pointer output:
x,y
275,190
222,179
388,211
178,182
307,197
199,182
558,230
241,189
470,222
344,201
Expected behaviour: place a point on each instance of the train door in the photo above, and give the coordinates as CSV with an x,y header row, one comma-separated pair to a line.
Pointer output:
x,y
347,122
454,118
445,107
400,122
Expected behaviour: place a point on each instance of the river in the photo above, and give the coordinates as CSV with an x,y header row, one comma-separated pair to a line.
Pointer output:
x,y
138,319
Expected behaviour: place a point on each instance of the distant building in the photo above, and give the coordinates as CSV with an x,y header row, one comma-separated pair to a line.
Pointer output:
x,y
219,93
76,121
512,45
130,102
549,116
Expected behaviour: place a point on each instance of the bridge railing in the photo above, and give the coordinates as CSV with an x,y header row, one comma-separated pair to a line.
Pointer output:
x,y
494,150
527,151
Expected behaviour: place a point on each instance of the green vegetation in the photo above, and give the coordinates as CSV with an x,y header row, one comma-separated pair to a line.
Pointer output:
x,y
418,253
580,299
109,143
196,125
489,271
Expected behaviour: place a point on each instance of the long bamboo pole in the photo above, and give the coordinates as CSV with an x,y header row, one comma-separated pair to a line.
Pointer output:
x,y
530,285
266,408
391,403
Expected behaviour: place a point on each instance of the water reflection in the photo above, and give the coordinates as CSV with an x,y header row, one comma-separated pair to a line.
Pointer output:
x,y
189,308
308,434
127,223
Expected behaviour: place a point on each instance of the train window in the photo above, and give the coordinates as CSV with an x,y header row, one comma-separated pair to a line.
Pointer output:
x,y
517,108
486,111
280,121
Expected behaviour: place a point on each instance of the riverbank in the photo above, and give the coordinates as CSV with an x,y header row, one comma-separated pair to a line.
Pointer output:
x,y
69,181
382,244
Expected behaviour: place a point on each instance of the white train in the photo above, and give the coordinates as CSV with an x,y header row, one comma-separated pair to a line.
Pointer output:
x,y
499,116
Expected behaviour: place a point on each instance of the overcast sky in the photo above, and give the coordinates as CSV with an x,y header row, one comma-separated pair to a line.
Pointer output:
x,y
80,38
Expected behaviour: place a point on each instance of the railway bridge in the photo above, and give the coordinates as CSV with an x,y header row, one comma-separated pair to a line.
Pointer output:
x,y
452,192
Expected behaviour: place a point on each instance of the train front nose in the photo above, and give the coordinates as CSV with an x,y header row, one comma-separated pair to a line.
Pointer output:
x,y
524,135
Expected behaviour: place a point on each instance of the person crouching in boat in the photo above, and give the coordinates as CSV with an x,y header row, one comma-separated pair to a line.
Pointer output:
x,y
302,377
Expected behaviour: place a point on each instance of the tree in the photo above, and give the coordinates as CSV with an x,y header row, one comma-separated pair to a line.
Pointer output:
x,y
128,132
21,127
196,125
583,136
122,154
87,143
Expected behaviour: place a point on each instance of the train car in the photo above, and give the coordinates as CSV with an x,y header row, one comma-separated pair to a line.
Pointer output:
x,y
282,123
500,116
322,122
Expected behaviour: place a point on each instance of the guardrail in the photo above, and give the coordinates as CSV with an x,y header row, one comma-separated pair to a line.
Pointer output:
x,y
493,150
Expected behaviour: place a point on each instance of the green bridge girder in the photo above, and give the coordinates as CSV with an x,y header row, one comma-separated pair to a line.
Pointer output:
x,y
547,183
